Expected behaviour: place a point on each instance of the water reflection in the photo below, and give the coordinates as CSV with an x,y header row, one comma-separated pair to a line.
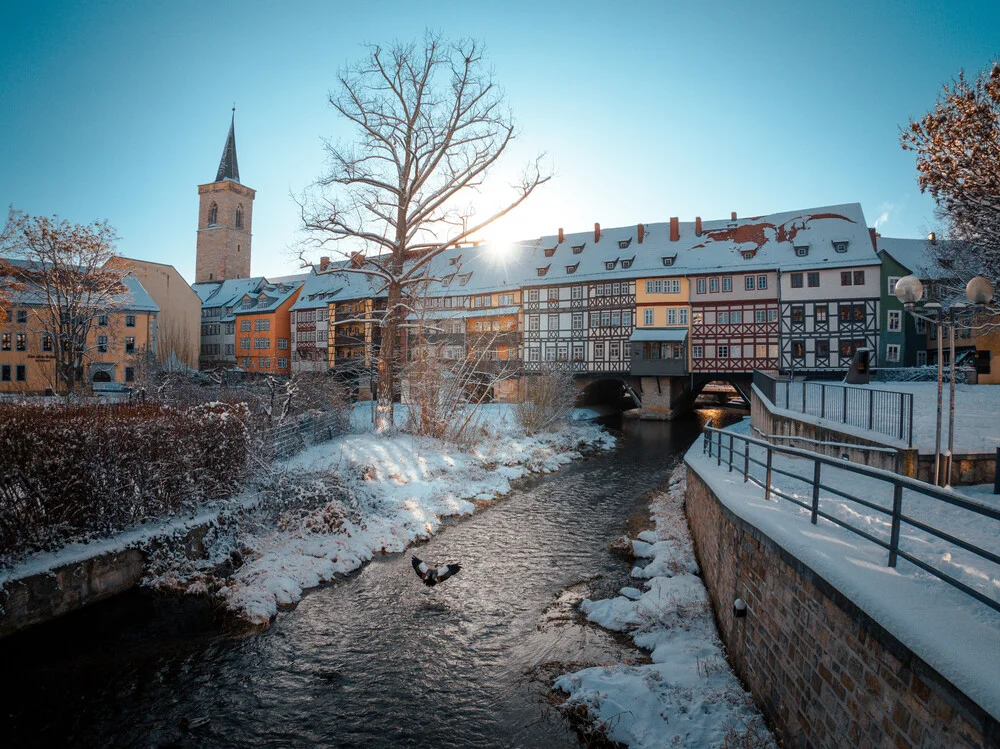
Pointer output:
x,y
376,659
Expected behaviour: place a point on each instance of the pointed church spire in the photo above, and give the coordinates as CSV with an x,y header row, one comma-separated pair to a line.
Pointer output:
x,y
228,168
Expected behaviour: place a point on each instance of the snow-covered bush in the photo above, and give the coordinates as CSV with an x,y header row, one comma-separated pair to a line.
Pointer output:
x,y
83,471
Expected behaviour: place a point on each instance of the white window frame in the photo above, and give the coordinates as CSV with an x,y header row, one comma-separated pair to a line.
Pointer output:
x,y
892,352
647,316
894,323
750,283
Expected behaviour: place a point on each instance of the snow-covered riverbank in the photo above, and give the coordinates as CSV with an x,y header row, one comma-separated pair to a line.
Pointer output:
x,y
687,696
384,494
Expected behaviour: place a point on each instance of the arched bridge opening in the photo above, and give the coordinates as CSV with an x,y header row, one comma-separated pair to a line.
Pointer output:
x,y
617,392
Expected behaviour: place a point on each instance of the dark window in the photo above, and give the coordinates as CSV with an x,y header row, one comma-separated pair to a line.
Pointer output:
x,y
848,347
129,374
840,246
670,261
129,345
4,372
822,347
550,251
22,316
799,349
20,373
623,243
213,214
814,279
129,321
239,217
845,278
796,280
626,263
102,344
859,278
610,264
46,342
798,314
578,248
858,312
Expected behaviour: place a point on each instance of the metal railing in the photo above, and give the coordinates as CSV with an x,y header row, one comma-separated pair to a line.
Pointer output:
x,y
886,412
735,452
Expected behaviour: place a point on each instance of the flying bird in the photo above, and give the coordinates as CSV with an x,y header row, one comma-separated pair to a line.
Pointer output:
x,y
432,577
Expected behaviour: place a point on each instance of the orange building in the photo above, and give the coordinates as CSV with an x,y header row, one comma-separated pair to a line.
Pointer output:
x,y
264,329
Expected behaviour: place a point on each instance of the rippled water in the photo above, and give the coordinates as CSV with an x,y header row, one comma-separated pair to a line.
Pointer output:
x,y
373,660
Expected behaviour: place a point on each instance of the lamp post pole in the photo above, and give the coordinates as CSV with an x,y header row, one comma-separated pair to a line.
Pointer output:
x,y
951,406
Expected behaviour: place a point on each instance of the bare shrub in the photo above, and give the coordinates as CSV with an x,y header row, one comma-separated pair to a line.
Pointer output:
x,y
546,400
84,471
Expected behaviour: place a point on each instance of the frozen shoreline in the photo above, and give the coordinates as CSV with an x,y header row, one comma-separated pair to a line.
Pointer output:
x,y
688,695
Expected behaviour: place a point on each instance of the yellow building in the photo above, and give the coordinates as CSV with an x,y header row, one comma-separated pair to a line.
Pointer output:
x,y
115,351
179,319
662,302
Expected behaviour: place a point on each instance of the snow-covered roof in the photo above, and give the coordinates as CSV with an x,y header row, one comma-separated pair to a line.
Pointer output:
x,y
659,334
916,255
267,299
461,314
322,288
135,298
222,293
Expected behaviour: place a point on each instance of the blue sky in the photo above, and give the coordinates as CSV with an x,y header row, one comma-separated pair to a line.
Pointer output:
x,y
646,110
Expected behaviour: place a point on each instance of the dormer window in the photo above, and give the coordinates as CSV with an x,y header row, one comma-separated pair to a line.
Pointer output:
x,y
570,269
840,246
463,280
610,264
627,263
748,254
624,243
455,260
801,250
550,251
668,260
578,248
247,303
543,271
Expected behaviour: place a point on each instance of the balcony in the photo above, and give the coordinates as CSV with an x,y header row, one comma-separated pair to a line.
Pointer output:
x,y
659,352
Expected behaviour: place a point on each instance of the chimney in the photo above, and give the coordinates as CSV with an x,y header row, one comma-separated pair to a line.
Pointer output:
x,y
874,237
675,229
561,235
324,263
932,238
597,233
697,226
357,260
733,216
642,232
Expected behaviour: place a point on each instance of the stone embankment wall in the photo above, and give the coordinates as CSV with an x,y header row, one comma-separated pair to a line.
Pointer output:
x,y
824,672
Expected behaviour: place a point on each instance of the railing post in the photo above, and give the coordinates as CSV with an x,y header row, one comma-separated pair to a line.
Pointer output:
x,y
902,413
910,435
996,474
730,452
815,498
803,396
767,478
746,461
871,410
822,402
897,510
844,392
718,449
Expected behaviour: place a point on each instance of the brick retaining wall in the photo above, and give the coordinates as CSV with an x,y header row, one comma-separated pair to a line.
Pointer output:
x,y
824,672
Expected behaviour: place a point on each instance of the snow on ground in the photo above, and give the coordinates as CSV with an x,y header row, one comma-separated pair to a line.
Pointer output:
x,y
977,413
390,491
954,633
687,696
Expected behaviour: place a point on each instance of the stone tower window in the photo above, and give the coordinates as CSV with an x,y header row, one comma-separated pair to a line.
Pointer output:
x,y
213,214
239,217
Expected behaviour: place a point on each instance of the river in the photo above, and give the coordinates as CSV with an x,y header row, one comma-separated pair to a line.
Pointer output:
x,y
375,659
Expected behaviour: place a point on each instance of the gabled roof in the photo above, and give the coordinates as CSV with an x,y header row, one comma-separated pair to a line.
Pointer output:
x,y
916,255
322,288
266,299
222,293
228,168
134,299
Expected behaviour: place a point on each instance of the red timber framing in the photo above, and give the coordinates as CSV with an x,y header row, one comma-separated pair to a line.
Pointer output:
x,y
749,343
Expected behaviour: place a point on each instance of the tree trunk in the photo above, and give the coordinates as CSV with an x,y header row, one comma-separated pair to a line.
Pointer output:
x,y
387,361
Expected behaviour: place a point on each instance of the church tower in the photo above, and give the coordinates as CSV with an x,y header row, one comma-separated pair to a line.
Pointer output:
x,y
224,220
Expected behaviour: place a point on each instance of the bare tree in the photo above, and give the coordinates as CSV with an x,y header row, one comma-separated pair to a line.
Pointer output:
x,y
430,124
65,283
546,400
958,163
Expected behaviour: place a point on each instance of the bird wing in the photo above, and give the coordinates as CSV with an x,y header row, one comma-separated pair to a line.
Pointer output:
x,y
447,570
420,568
